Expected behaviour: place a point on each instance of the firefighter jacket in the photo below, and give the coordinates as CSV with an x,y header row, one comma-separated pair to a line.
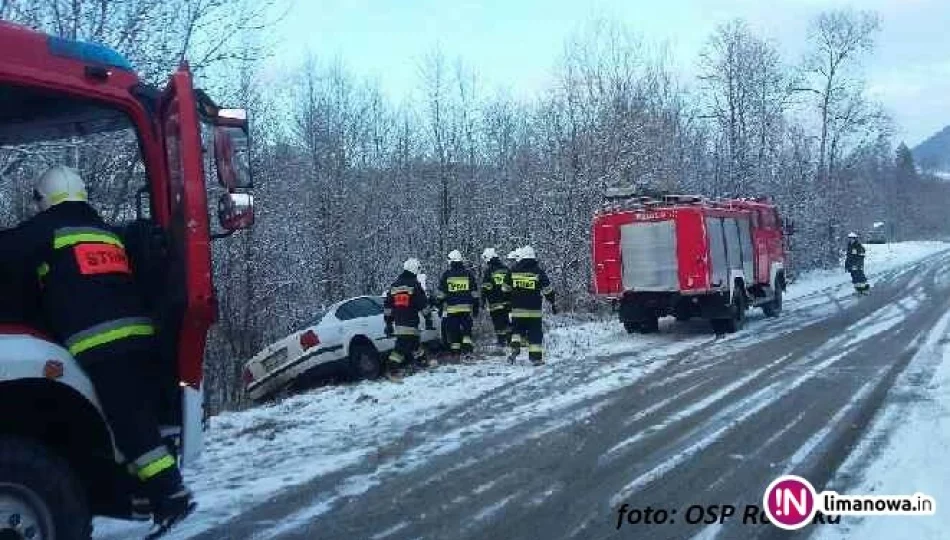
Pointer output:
x,y
88,295
405,300
495,285
458,291
528,283
855,258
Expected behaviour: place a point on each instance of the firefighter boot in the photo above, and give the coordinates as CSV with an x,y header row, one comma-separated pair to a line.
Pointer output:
x,y
515,348
171,510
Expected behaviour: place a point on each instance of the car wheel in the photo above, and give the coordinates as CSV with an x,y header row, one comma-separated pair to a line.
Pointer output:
x,y
364,361
40,497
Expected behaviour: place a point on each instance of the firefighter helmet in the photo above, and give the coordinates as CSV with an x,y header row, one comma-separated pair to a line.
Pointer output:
x,y
58,184
489,254
852,235
412,265
455,256
526,252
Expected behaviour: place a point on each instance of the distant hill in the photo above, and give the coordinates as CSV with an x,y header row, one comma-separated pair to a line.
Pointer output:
x,y
934,153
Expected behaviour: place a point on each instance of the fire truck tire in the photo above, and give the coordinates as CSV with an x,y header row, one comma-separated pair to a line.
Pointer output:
x,y
774,308
42,497
734,323
650,325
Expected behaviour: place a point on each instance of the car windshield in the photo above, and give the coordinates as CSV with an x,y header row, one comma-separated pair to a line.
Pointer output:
x,y
38,131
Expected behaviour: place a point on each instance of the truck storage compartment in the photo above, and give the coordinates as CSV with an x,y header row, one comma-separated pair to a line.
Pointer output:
x,y
648,251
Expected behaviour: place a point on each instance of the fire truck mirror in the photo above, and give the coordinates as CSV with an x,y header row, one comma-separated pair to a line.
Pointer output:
x,y
232,157
236,211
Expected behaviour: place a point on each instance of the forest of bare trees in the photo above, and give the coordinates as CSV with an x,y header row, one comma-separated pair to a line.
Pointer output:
x,y
351,182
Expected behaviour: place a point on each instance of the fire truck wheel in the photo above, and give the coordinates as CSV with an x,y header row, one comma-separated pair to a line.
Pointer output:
x,y
650,325
737,319
39,495
774,308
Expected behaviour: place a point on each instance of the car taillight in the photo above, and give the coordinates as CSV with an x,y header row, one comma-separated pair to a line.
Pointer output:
x,y
248,376
309,340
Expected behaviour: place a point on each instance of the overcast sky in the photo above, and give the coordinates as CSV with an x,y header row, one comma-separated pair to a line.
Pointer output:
x,y
514,44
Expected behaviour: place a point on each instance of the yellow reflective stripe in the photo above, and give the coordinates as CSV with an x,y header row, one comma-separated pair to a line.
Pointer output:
x,y
42,270
497,307
466,340
61,196
526,313
487,286
456,346
396,357
535,348
405,331
109,336
463,308
156,467
73,239
506,288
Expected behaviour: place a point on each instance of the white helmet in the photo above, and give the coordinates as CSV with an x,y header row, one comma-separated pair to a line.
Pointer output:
x,y
455,256
412,265
513,255
526,252
58,184
852,235
489,254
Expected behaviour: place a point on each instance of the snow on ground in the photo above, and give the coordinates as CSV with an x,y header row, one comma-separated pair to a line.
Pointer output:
x,y
905,450
254,454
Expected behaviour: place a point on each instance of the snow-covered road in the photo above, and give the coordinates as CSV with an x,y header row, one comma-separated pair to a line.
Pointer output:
x,y
628,410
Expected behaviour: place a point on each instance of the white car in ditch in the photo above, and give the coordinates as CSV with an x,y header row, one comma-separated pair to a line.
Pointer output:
x,y
350,334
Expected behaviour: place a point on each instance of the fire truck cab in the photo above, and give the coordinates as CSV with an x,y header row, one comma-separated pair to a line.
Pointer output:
x,y
141,152
688,256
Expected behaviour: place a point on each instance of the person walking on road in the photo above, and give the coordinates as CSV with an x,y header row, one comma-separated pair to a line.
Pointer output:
x,y
854,264
529,284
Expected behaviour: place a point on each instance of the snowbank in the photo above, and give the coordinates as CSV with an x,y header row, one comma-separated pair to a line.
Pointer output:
x,y
905,450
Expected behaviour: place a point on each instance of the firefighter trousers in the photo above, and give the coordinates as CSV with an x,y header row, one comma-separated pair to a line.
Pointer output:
x,y
528,329
500,320
124,383
859,280
458,332
407,350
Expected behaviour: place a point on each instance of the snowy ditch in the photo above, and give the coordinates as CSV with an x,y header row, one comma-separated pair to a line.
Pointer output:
x,y
253,455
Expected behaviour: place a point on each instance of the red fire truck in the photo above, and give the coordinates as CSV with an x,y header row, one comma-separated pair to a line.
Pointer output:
x,y
688,256
59,100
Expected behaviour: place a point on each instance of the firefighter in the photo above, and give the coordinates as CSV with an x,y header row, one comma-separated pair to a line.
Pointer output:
x,y
495,292
528,283
405,300
854,263
458,297
91,304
